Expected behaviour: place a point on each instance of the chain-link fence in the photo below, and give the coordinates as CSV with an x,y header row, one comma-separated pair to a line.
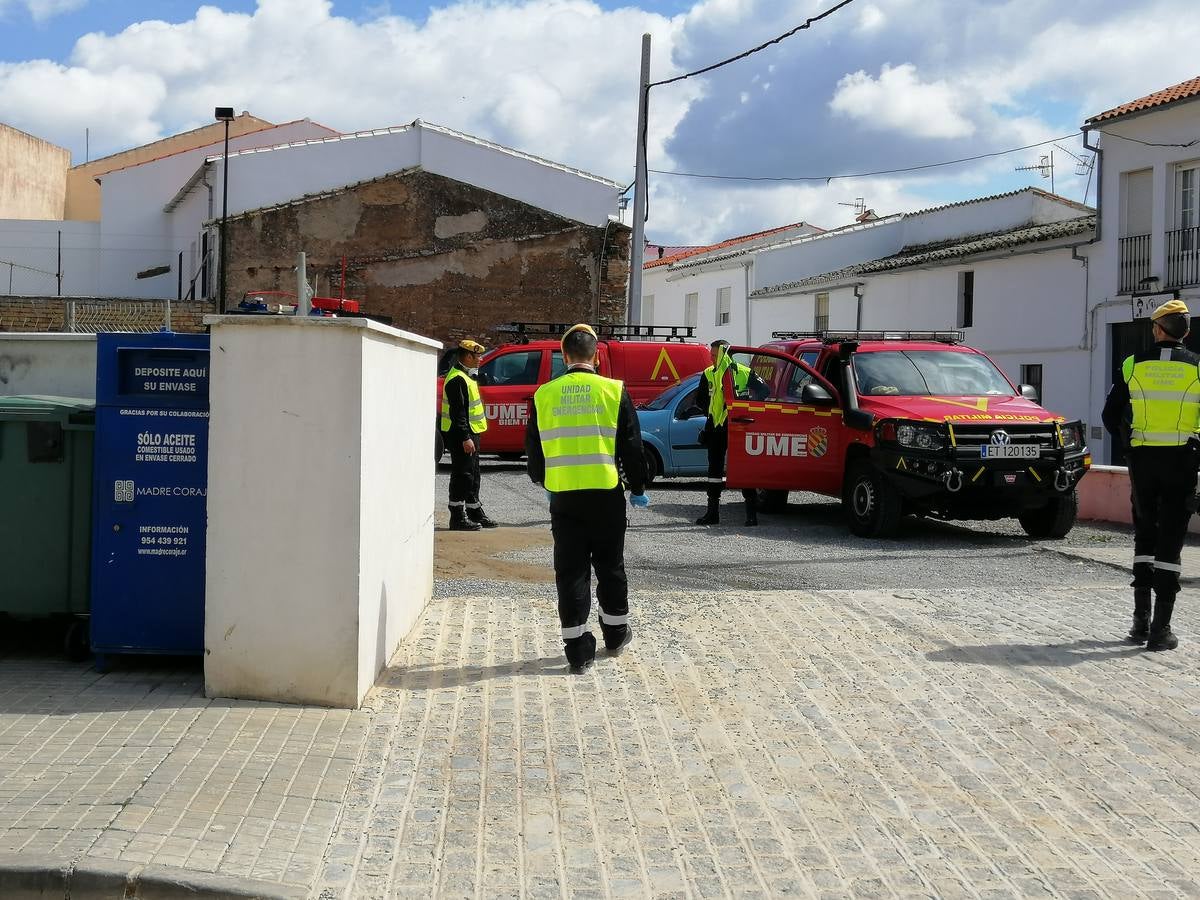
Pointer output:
x,y
138,316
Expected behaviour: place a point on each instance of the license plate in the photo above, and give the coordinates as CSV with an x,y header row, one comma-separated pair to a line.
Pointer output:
x,y
1010,451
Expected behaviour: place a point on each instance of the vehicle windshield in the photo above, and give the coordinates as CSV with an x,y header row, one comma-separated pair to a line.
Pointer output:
x,y
661,401
928,373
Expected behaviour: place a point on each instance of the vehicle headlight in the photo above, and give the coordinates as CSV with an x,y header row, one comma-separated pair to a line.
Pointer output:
x,y
1072,435
919,437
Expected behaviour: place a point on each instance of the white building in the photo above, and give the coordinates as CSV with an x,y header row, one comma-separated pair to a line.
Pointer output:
x,y
694,285
160,213
1005,270
1148,236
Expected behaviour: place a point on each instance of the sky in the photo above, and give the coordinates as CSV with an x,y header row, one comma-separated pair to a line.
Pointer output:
x,y
878,85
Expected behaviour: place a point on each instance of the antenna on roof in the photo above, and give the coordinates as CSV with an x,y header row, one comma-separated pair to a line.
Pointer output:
x,y
859,204
1082,166
1045,166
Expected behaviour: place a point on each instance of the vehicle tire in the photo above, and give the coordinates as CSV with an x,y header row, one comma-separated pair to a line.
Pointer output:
x,y
78,642
653,466
1054,520
873,506
439,446
772,501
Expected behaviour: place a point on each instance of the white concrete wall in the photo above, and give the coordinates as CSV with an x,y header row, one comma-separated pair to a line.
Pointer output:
x,y
34,243
136,234
59,365
320,505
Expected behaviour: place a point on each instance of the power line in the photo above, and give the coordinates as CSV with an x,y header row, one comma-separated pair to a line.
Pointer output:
x,y
1134,140
829,178
806,24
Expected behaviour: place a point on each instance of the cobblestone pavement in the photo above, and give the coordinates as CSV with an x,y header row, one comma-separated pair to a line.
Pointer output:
x,y
985,735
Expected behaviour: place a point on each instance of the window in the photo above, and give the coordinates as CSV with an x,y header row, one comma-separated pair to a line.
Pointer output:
x,y
821,312
1137,202
966,299
691,310
1187,196
723,305
521,367
1183,241
557,364
647,309
1032,375
928,373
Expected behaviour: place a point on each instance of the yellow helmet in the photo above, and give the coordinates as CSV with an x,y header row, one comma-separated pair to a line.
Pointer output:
x,y
471,346
1169,308
582,326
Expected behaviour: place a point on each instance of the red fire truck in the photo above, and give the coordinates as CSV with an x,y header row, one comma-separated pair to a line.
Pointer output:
x,y
898,423
648,359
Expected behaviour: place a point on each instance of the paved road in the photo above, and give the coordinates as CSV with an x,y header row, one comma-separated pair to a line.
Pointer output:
x,y
802,713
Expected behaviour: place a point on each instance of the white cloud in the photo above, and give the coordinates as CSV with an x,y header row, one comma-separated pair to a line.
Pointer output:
x,y
871,18
899,101
557,78
41,10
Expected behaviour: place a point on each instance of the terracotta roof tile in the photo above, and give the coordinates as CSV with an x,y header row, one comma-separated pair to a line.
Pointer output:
x,y
696,251
1183,91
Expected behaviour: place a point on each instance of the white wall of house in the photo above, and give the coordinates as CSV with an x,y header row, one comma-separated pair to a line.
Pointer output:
x,y
1139,195
29,257
136,234
671,292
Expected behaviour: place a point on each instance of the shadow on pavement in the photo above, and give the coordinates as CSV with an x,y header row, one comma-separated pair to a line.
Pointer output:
x,y
429,678
1053,655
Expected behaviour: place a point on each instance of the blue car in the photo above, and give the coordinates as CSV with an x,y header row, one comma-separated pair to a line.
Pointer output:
x,y
671,425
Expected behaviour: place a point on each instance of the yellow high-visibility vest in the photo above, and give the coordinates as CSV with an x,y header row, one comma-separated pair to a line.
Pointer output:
x,y
475,414
1165,396
715,376
577,425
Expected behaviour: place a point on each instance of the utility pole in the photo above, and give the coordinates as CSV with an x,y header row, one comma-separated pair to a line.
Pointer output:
x,y
224,114
303,304
637,252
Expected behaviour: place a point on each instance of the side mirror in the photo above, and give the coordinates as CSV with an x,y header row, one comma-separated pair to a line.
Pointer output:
x,y
1029,392
815,394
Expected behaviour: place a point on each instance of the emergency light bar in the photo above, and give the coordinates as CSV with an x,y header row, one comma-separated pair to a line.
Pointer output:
x,y
833,337
524,330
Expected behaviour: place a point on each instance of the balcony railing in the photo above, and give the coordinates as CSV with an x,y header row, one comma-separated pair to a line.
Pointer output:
x,y
1135,261
1183,257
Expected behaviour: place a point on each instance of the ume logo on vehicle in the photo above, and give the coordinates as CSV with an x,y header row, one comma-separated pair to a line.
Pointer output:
x,y
507,413
776,444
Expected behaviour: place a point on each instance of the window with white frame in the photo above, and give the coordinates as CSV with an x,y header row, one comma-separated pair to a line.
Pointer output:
x,y
1183,241
1187,195
1031,374
691,309
723,305
966,299
821,312
647,309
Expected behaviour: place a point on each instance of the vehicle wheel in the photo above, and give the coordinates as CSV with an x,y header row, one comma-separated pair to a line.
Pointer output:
x,y
439,446
1054,520
873,506
78,642
772,501
653,466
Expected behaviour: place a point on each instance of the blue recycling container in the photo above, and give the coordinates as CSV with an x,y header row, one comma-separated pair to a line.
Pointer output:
x,y
151,486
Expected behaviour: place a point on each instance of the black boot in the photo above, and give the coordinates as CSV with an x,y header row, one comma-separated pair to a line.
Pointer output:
x,y
1140,629
581,653
1161,635
751,512
713,516
460,522
478,516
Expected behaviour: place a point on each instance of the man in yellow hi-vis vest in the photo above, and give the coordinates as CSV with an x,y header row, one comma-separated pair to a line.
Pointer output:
x,y
715,436
583,434
1153,409
462,424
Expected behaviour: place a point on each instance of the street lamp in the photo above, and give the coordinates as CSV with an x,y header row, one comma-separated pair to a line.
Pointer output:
x,y
224,114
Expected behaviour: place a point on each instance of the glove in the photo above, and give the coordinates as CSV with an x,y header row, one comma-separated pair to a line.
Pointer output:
x,y
641,501
549,495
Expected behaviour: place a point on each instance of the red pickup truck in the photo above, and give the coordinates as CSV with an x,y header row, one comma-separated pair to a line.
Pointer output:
x,y
508,376
898,423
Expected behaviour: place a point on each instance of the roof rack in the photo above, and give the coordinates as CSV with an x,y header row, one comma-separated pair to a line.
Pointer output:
x,y
523,331
834,337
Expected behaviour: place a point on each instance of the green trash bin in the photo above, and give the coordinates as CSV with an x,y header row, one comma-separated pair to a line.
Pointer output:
x,y
46,511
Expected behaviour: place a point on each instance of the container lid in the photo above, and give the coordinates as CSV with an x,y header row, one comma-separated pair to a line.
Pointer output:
x,y
80,410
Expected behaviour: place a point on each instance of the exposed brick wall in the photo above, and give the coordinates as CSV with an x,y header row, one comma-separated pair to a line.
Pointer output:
x,y
116,314
436,256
